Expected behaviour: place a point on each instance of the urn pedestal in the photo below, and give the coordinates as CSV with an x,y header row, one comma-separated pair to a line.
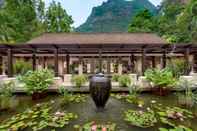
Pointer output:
x,y
100,87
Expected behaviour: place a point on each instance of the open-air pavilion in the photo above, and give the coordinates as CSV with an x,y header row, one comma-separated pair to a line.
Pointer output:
x,y
91,53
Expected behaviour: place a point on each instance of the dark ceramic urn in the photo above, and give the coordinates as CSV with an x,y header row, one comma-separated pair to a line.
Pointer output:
x,y
100,87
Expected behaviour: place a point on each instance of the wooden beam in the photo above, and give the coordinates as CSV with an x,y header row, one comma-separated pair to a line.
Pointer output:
x,y
10,62
56,62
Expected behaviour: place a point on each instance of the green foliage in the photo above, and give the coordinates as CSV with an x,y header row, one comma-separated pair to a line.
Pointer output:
x,y
19,21
173,116
124,80
6,88
79,80
160,78
37,81
179,128
21,67
37,118
115,77
57,19
141,118
71,98
22,20
98,127
179,67
142,22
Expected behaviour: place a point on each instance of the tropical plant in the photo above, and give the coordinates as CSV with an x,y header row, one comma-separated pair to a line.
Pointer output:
x,y
124,80
179,67
37,81
21,67
115,77
79,80
161,78
141,118
6,90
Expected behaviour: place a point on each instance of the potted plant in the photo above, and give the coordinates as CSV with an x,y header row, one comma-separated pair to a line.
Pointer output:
x,y
161,80
79,80
124,80
37,82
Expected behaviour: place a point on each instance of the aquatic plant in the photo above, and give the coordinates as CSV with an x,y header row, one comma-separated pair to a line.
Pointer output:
x,y
124,80
93,126
37,118
79,80
173,115
68,97
115,77
142,119
178,128
188,97
6,89
37,81
179,67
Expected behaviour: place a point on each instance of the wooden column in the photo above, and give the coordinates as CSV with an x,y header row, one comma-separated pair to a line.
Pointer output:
x,y
56,63
34,59
153,62
164,59
132,59
92,65
100,61
1,65
108,65
67,64
143,60
186,55
10,62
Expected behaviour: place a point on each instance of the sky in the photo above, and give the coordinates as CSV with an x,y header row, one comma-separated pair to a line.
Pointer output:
x,y
81,9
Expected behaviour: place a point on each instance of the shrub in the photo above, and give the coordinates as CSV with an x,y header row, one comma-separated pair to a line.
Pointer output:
x,y
124,81
79,80
115,77
37,81
161,78
179,67
21,67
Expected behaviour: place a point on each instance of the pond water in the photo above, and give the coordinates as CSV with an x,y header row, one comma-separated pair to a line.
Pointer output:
x,y
87,112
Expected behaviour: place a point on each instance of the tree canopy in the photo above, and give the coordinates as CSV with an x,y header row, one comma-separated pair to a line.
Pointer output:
x,y
21,20
176,22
